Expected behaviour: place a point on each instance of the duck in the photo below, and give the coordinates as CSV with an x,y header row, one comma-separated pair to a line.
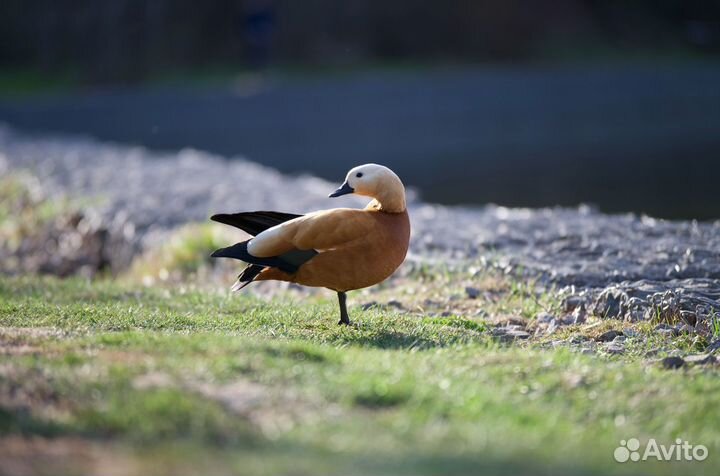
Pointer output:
x,y
341,249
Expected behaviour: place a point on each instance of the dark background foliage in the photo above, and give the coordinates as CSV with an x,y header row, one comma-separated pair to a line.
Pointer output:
x,y
128,39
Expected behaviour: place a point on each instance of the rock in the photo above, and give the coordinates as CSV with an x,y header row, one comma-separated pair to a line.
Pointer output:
x,y
609,303
666,330
664,306
690,317
510,333
588,344
579,315
375,305
368,305
578,339
567,320
700,359
634,309
517,334
635,315
544,317
472,293
686,329
630,332
713,346
608,336
614,348
672,362
571,303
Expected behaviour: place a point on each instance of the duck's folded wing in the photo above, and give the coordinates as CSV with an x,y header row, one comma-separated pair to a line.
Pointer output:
x,y
319,231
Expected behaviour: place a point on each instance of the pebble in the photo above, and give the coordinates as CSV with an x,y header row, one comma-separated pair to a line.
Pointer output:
x,y
578,339
570,303
375,305
713,346
700,359
517,334
686,329
690,317
551,328
368,305
544,317
510,333
666,330
630,332
472,293
672,362
614,348
608,336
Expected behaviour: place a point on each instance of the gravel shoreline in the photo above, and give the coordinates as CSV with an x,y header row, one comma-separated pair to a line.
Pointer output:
x,y
624,266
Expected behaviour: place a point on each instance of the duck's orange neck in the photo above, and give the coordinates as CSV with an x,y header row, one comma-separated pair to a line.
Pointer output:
x,y
394,203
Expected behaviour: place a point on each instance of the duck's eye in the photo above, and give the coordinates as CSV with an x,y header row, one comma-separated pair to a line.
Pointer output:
x,y
359,174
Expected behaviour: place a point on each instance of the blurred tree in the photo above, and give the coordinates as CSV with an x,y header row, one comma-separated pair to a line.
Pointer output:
x,y
109,40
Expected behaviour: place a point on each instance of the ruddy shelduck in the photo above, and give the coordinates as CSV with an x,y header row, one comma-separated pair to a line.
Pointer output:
x,y
340,249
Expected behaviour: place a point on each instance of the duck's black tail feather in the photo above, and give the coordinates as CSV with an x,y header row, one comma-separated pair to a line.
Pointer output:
x,y
288,262
239,251
253,222
247,276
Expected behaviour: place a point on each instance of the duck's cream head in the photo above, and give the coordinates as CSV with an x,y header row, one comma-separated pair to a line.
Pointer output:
x,y
378,182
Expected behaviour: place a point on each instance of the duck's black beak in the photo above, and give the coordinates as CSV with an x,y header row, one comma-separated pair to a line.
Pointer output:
x,y
343,190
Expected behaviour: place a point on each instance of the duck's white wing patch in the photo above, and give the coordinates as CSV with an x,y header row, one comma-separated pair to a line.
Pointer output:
x,y
320,231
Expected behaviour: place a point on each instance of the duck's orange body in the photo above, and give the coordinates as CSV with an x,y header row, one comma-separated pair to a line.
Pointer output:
x,y
372,257
341,249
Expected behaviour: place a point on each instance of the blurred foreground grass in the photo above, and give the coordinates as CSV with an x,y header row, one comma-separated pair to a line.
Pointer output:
x,y
99,376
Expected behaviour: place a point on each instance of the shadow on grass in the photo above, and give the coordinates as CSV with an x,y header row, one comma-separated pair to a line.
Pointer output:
x,y
389,339
398,338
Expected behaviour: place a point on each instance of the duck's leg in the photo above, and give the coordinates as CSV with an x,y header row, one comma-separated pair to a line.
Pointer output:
x,y
344,318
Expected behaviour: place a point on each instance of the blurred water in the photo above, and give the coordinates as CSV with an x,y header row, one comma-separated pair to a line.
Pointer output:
x,y
631,138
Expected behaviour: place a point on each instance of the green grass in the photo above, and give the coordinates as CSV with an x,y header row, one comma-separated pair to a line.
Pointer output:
x,y
183,382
